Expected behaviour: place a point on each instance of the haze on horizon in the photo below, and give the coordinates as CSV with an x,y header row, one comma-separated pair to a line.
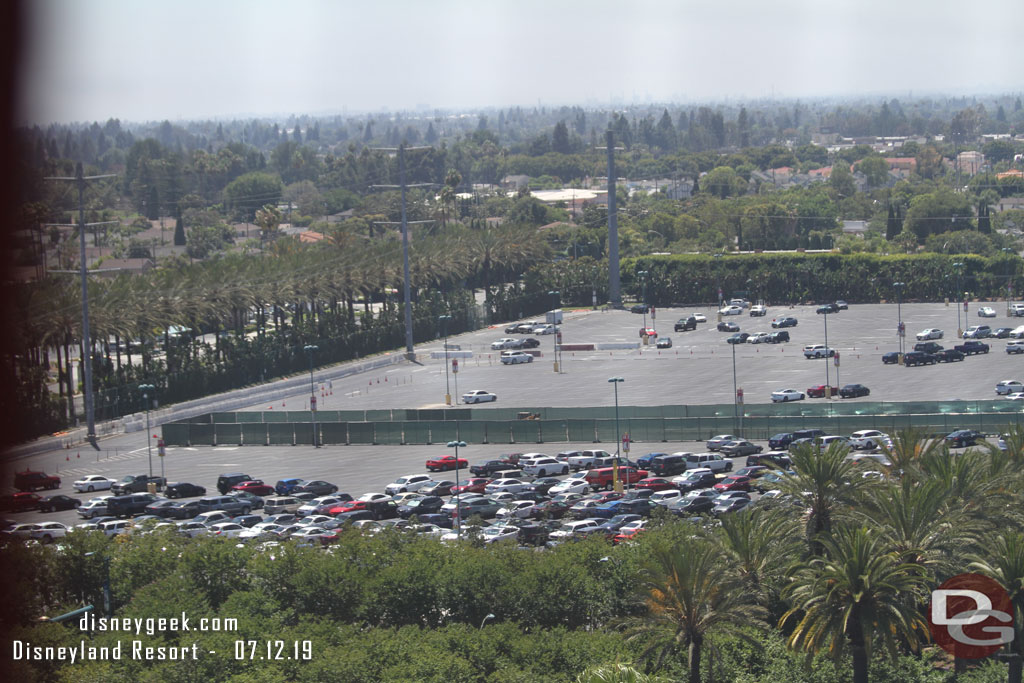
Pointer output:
x,y
195,59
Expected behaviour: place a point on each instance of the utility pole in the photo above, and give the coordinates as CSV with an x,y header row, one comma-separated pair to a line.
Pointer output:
x,y
409,354
614,287
90,415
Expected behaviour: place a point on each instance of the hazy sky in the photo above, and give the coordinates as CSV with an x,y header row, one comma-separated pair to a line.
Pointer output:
x,y
141,60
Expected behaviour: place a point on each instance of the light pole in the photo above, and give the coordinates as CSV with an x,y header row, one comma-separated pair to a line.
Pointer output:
x,y
146,389
899,315
309,349
828,387
735,393
618,440
642,274
718,282
554,293
443,319
486,619
958,267
1009,277
458,496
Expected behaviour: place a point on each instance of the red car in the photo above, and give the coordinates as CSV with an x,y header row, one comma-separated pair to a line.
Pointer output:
x,y
628,534
475,485
347,506
607,496
20,501
255,487
655,484
819,391
734,482
446,462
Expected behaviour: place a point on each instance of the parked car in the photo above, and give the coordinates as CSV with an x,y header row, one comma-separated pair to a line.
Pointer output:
x,y
949,356
137,483
684,324
58,502
854,391
503,343
977,332
731,309
760,338
912,358
784,322
891,358
785,395
445,463
255,487
317,487
734,482
93,482
827,308
183,489
515,357
963,437
639,308
740,448
868,439
930,333
716,442
738,338
699,478
928,347
971,347
28,480
479,396
758,310
818,391
226,482
778,337
21,501
1009,386
92,508
1001,332
818,351
410,482
1016,346
712,461
986,312
664,343
727,326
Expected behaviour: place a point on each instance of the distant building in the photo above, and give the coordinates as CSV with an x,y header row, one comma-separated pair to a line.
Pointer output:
x,y
970,162
515,182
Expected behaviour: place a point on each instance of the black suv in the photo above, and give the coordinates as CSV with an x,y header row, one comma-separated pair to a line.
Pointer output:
x,y
184,490
891,358
684,324
949,356
928,347
132,504
226,482
918,358
778,337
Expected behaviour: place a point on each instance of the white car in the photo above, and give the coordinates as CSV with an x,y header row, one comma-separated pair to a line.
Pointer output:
x,y
818,351
498,532
570,529
370,497
515,357
1016,346
545,329
574,485
868,439
759,338
986,312
784,395
404,498
310,507
1017,332
758,310
730,310
716,442
517,508
48,532
1016,396
666,496
506,486
93,482
700,317
1010,386
930,333
226,529
542,467
411,482
478,396
503,343
94,508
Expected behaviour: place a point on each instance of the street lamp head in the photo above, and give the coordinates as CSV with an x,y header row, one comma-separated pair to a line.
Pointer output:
x,y
444,318
146,387
309,348
616,379
456,444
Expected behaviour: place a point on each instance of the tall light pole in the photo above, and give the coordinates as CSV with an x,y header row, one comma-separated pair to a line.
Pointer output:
x,y
309,349
958,267
458,496
146,389
642,274
899,315
1009,276
443,319
618,438
718,281
828,387
735,392
554,338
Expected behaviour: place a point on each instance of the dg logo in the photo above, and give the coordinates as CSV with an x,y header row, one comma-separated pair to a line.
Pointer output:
x,y
971,616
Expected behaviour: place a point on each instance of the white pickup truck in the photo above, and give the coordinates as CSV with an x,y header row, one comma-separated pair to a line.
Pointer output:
x,y
586,460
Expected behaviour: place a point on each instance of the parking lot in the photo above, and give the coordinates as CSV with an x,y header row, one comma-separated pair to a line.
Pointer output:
x,y
696,369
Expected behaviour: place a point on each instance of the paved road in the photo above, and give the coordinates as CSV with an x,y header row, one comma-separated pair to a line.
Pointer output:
x,y
698,369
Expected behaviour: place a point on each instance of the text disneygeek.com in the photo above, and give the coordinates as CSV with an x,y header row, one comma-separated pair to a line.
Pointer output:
x,y
141,650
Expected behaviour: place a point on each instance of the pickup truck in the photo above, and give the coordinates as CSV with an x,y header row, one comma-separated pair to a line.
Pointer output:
x,y
137,484
588,459
33,481
489,467
602,477
971,347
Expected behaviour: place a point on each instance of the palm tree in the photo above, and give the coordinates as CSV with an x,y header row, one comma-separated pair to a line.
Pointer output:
x,y
822,481
617,673
689,590
859,591
759,543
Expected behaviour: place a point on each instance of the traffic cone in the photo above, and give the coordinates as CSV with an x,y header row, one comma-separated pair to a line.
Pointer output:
x,y
67,459
78,456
